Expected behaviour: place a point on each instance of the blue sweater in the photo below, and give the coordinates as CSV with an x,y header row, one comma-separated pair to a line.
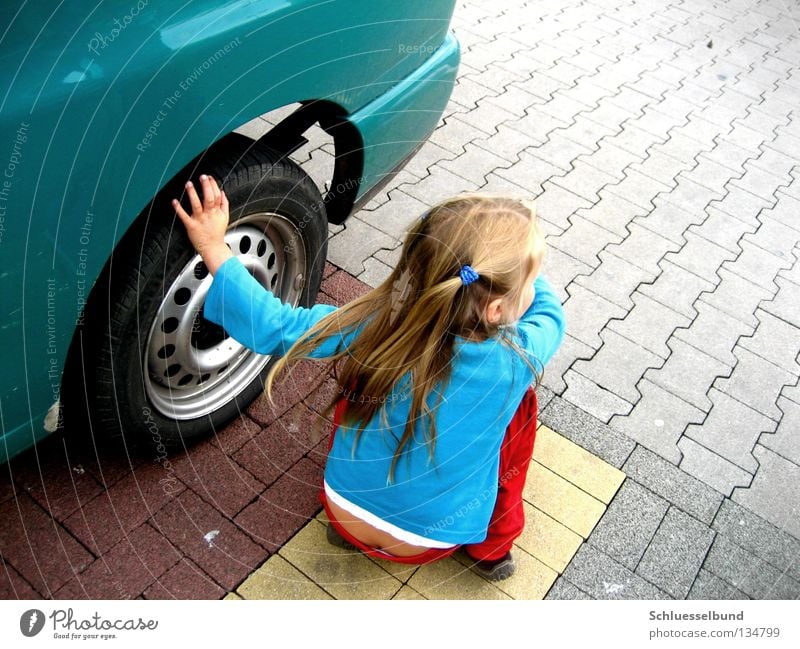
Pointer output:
x,y
450,499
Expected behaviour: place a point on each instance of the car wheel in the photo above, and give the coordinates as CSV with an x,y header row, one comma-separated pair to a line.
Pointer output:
x,y
162,374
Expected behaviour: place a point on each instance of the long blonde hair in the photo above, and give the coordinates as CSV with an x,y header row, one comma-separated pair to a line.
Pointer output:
x,y
412,318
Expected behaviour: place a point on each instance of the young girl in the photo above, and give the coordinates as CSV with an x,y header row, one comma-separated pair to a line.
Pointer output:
x,y
435,429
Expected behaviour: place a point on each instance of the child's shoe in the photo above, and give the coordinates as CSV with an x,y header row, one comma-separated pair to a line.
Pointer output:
x,y
334,538
496,570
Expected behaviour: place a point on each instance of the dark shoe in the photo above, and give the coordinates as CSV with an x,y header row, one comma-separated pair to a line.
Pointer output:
x,y
336,539
496,570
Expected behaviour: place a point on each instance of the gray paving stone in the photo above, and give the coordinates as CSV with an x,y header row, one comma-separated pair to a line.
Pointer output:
x,y
559,151
635,140
562,269
711,468
529,172
709,586
756,382
455,133
759,537
701,130
439,185
616,353
748,573
639,189
584,239
355,243
701,257
487,117
715,332
570,350
584,180
592,398
643,248
737,297
507,143
742,205
630,100
375,272
467,92
537,125
730,155
759,182
671,483
662,167
676,288
615,280
556,205
775,476
649,324
565,590
587,314
722,229
745,137
658,420
653,120
544,396
613,213
673,559
474,164
396,215
611,159
603,578
776,341
426,157
785,209
680,147
586,431
588,129
785,441
628,525
731,430
562,106
586,92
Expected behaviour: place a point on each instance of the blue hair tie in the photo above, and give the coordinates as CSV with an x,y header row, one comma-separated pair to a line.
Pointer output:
x,y
468,274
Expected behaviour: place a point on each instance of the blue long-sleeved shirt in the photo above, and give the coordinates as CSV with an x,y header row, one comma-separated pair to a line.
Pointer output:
x,y
450,499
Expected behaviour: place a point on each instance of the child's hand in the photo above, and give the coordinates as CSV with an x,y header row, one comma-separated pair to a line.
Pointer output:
x,y
208,222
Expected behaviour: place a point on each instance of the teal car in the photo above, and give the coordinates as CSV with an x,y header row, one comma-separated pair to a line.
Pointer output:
x,y
107,110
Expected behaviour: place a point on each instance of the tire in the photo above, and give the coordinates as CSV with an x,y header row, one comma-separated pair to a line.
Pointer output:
x,y
163,376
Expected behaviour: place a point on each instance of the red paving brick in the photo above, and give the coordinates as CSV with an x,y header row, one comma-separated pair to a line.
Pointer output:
x,y
270,454
217,478
42,551
329,270
288,389
343,287
13,585
228,557
185,580
236,434
106,519
285,507
126,570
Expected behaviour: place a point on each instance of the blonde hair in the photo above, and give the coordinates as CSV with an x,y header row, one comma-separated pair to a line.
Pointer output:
x,y
412,318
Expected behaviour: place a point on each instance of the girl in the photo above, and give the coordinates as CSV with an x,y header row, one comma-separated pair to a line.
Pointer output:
x,y
435,429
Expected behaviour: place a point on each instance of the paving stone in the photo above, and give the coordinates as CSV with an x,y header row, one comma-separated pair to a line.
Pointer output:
x,y
236,434
702,257
776,341
603,578
570,349
468,92
474,164
126,570
611,159
408,593
708,586
565,590
594,399
14,586
616,352
774,237
713,469
531,580
786,304
715,332
561,269
785,441
629,524
674,485
649,324
613,213
722,229
557,205
530,173
551,542
673,559
730,156
742,205
680,147
587,313
508,143
375,272
586,92
737,297
449,579
590,128
689,195
643,248
584,239
676,288
629,99
396,215
731,430
455,133
759,537
759,182
756,382
184,581
748,573
658,420
688,374
775,475
350,247
661,167
560,152
615,280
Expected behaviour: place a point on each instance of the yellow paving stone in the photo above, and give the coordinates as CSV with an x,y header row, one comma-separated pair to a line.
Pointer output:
x,y
448,579
343,573
562,500
278,579
577,465
532,579
232,595
406,592
547,539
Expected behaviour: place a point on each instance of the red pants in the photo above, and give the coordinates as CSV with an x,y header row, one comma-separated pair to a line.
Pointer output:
x,y
508,517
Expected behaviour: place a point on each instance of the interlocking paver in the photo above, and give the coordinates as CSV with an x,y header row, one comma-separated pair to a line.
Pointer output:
x,y
643,248
676,553
785,441
676,288
649,324
701,256
715,332
709,586
356,243
588,313
584,239
593,398
614,280
565,590
530,172
710,467
722,229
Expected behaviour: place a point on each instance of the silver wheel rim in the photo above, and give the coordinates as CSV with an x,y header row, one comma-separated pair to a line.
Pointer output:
x,y
192,366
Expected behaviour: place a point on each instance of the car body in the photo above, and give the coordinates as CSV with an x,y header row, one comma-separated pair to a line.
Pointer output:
x,y
104,105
